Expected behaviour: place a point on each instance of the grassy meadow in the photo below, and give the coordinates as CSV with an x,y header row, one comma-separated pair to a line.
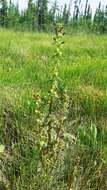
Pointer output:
x,y
25,66
26,63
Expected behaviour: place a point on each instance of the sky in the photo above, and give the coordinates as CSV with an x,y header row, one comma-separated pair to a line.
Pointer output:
x,y
93,3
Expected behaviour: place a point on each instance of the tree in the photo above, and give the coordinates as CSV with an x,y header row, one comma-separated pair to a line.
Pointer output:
x,y
105,18
98,22
66,15
52,14
3,13
86,7
13,15
42,14
87,17
76,11
30,15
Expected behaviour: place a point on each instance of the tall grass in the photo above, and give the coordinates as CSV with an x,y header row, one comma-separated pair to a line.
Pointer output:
x,y
53,112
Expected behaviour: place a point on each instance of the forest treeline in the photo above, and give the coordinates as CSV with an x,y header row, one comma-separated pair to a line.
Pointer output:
x,y
41,15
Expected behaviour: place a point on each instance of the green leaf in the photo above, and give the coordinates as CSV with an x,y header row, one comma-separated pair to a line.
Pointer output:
x,y
2,147
81,133
94,132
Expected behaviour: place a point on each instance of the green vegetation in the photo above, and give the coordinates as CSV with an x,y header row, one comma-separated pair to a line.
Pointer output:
x,y
42,16
53,111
